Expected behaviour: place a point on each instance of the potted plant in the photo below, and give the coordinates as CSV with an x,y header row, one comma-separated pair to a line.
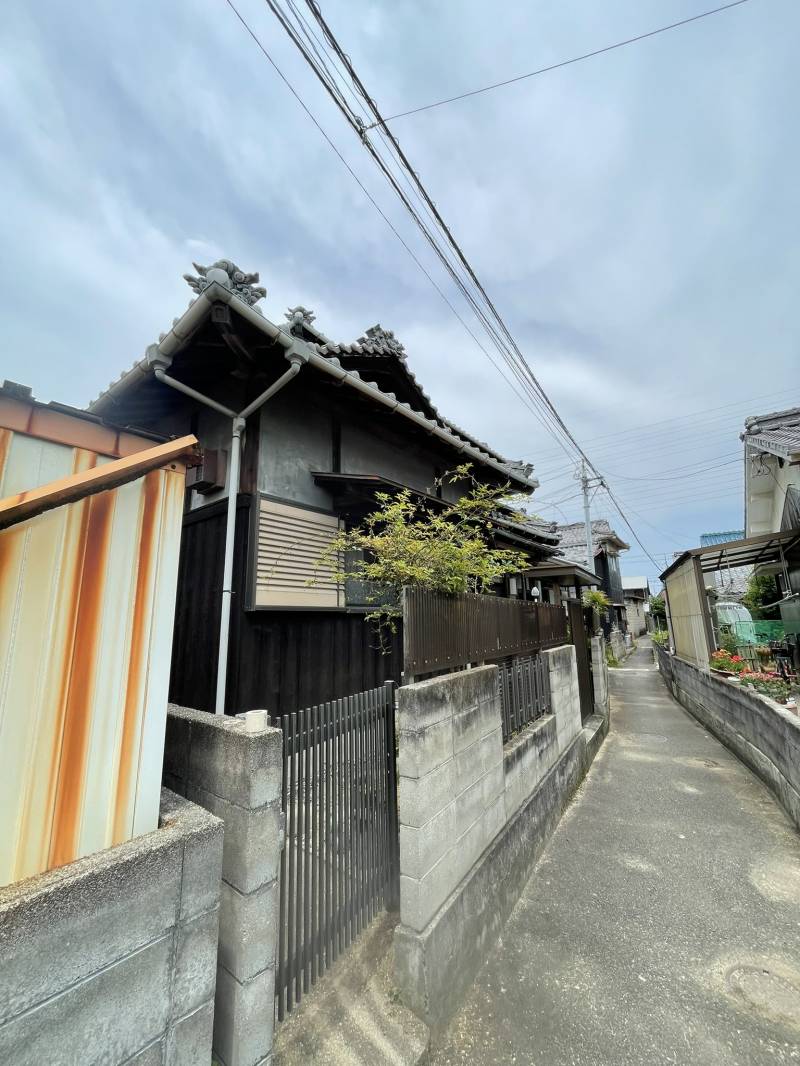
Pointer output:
x,y
763,652
599,602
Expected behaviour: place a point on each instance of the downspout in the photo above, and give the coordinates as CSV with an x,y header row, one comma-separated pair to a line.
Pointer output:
x,y
160,364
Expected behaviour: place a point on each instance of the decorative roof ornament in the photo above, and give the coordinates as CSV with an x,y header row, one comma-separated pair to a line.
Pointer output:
x,y
229,276
520,467
385,338
298,317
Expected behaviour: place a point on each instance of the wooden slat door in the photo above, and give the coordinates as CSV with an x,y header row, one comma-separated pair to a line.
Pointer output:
x,y
580,638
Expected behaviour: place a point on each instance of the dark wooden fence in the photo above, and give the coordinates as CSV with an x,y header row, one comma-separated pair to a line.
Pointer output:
x,y
281,660
340,861
580,635
441,632
524,692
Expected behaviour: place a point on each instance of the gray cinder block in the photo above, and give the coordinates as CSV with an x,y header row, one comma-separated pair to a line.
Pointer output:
x,y
244,1018
248,929
189,1040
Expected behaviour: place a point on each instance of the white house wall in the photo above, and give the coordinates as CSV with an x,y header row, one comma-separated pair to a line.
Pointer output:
x,y
766,493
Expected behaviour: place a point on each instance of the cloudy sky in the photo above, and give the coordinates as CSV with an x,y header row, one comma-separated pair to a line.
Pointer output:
x,y
635,217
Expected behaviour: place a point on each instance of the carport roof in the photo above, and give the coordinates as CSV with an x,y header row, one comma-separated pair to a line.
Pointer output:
x,y
749,551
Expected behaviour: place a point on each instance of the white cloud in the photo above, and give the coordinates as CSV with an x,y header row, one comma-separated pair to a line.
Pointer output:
x,y
634,216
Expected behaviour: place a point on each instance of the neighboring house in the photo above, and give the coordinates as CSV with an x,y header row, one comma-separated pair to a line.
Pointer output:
x,y
607,546
637,598
772,497
772,472
558,580
729,582
354,421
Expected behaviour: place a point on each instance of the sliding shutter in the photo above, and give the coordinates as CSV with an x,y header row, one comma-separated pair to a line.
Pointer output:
x,y
290,542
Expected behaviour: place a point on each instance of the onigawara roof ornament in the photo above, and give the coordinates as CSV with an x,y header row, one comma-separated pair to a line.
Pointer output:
x,y
385,337
230,276
297,317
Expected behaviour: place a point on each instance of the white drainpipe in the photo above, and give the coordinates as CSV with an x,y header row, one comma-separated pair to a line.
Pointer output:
x,y
160,364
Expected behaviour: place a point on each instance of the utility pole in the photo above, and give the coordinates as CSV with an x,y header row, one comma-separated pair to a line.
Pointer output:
x,y
587,518
587,483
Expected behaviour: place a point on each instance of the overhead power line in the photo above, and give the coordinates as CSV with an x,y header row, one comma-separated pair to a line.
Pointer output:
x,y
557,66
434,230
456,266
649,430
374,202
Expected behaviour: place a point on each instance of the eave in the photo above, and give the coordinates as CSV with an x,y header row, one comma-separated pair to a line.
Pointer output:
x,y
184,328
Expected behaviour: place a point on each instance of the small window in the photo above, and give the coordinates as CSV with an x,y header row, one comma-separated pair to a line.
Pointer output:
x,y
289,543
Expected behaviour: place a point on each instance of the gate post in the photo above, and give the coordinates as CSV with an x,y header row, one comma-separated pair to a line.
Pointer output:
x,y
393,893
581,642
236,774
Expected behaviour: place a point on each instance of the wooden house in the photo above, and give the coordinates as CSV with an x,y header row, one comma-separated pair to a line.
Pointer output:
x,y
607,547
325,426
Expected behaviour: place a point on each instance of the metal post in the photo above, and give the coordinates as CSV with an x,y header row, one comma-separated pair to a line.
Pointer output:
x,y
393,892
227,566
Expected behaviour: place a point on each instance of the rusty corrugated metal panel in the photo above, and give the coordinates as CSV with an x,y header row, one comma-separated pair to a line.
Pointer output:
x,y
87,595
44,422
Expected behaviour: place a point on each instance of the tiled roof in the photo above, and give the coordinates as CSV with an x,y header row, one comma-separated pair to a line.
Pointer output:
x,y
732,582
574,535
377,342
382,344
778,432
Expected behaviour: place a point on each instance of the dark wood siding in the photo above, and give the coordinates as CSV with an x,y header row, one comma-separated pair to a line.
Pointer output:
x,y
279,660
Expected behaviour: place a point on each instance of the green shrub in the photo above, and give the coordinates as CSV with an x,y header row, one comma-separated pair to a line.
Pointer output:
x,y
660,636
767,685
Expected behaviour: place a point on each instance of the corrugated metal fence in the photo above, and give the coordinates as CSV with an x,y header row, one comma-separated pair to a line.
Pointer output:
x,y
441,632
87,593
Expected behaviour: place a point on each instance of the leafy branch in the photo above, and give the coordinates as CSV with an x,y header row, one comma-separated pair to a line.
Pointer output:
x,y
409,541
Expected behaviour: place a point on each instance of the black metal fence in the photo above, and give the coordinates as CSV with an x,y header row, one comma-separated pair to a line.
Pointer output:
x,y
340,861
524,692
441,632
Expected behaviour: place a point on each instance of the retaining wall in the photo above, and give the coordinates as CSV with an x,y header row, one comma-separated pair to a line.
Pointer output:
x,y
215,762
112,958
474,815
762,733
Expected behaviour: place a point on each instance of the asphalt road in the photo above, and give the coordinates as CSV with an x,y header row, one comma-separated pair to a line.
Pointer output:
x,y
662,924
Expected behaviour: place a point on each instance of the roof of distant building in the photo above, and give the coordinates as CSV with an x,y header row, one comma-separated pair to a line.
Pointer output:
x,y
707,539
778,432
732,581
574,536
634,583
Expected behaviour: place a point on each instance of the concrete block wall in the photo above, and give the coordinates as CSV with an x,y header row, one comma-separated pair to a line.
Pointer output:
x,y
214,761
112,958
473,814
762,733
450,784
617,644
600,675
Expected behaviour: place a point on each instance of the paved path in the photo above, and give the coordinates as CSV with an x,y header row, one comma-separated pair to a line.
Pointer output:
x,y
662,924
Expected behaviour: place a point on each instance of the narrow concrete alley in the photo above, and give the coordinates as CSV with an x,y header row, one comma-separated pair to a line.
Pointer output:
x,y
662,924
